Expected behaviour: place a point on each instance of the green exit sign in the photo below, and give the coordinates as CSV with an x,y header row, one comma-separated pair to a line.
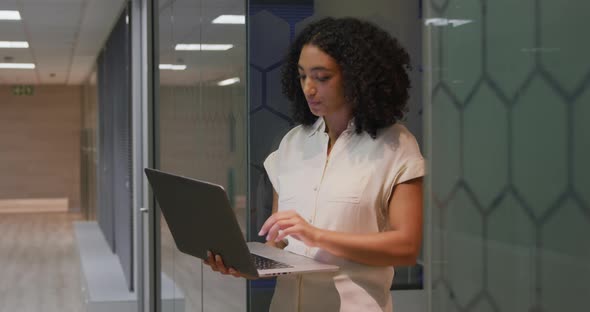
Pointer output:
x,y
23,90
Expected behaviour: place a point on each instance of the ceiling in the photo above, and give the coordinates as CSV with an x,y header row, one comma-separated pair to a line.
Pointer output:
x,y
66,36
189,21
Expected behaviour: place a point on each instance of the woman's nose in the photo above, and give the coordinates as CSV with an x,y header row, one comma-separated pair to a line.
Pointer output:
x,y
309,88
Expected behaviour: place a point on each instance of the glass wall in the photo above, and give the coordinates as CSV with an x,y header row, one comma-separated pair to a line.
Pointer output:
x,y
88,148
201,133
507,108
115,210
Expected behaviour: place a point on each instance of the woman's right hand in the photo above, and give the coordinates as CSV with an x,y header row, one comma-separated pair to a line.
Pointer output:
x,y
280,244
217,265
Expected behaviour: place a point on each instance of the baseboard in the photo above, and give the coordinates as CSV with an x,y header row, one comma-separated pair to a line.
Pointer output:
x,y
34,205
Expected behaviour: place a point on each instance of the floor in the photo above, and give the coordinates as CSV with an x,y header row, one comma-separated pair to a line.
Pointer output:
x,y
39,264
203,289
40,269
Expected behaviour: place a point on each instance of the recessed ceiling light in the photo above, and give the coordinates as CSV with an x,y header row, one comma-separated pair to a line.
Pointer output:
x,y
17,66
229,81
202,47
230,19
172,67
8,15
444,22
14,44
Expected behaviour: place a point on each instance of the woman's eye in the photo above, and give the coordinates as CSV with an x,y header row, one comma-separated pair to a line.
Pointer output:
x,y
301,77
323,78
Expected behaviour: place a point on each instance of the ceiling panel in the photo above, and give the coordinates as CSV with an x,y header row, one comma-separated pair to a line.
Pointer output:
x,y
77,78
50,37
93,30
52,53
60,77
62,65
12,30
8,5
17,76
17,55
51,68
53,76
43,15
51,2
98,20
52,61
82,65
206,5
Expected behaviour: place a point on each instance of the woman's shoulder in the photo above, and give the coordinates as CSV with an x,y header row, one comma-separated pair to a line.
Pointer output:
x,y
297,134
395,132
397,137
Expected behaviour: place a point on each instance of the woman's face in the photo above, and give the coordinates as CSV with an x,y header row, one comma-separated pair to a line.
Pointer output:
x,y
321,81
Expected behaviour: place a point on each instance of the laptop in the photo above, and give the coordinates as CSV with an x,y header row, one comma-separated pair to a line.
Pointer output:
x,y
200,218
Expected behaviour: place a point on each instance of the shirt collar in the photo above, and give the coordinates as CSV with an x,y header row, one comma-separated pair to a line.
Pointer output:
x,y
320,126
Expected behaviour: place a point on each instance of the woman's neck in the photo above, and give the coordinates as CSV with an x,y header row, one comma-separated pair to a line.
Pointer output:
x,y
335,125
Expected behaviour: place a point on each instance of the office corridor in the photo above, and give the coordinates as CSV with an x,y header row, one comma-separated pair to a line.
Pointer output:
x,y
40,268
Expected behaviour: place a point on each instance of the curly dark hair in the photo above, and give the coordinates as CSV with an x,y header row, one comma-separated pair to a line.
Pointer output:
x,y
374,69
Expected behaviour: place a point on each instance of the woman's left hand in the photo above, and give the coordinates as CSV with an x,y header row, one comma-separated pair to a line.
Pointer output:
x,y
284,223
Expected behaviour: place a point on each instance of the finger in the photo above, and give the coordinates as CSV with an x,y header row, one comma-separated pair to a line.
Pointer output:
x,y
284,233
220,266
211,261
273,232
267,225
294,231
275,217
234,273
280,225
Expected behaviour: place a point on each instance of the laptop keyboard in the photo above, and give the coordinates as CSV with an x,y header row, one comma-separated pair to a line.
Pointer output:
x,y
263,263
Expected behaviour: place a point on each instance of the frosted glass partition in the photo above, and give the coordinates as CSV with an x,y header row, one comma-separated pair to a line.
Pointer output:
x,y
507,97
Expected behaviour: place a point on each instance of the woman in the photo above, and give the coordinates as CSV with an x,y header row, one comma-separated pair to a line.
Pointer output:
x,y
348,180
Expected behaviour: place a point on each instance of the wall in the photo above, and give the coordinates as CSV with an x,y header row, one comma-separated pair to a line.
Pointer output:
x,y
509,143
40,144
